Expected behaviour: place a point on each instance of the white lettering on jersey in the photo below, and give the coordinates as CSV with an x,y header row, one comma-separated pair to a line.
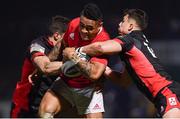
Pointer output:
x,y
150,49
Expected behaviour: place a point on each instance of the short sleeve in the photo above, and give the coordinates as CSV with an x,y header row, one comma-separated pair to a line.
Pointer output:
x,y
36,49
126,42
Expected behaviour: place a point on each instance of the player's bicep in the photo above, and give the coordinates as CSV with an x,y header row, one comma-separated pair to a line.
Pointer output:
x,y
111,47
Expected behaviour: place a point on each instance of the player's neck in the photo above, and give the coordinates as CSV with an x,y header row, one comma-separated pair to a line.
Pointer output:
x,y
136,29
51,39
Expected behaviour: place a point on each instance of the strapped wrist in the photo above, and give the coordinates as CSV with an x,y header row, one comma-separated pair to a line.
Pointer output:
x,y
79,50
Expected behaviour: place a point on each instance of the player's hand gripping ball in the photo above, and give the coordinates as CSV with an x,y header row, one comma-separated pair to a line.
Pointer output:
x,y
70,69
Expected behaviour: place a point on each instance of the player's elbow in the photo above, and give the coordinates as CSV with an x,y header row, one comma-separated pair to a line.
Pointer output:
x,y
95,75
47,71
98,48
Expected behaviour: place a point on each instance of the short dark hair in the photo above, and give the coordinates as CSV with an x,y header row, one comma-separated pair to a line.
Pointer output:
x,y
57,24
139,16
92,11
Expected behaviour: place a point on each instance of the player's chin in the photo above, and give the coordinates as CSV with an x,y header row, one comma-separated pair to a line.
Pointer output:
x,y
86,38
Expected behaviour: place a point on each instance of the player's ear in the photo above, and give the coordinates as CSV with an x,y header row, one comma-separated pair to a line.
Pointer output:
x,y
131,26
57,36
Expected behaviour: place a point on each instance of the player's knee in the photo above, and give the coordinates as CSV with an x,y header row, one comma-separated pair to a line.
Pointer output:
x,y
49,105
172,113
47,108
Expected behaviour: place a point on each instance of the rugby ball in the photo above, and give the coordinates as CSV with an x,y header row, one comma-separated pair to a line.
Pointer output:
x,y
70,69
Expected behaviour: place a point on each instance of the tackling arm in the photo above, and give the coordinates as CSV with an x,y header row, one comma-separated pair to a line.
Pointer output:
x,y
98,48
45,64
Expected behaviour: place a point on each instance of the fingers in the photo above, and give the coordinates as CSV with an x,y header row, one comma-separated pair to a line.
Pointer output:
x,y
68,53
32,78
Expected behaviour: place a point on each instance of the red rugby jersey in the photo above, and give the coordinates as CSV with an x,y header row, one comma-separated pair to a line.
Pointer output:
x,y
73,39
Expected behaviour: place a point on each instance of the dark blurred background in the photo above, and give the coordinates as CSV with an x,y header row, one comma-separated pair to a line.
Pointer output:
x,y
22,21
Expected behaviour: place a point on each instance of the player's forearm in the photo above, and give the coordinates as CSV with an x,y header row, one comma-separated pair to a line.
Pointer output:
x,y
53,68
88,69
94,49
40,62
99,48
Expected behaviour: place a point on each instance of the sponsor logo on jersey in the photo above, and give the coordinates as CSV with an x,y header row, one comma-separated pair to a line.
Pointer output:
x,y
96,107
72,36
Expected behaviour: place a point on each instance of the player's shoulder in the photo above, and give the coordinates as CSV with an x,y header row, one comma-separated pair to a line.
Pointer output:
x,y
39,40
39,43
73,26
74,22
125,38
105,34
102,36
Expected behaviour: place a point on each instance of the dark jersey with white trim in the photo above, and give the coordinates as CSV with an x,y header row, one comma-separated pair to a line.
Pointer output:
x,y
142,64
25,95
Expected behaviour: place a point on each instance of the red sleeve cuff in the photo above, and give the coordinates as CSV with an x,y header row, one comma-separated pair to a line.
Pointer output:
x,y
37,54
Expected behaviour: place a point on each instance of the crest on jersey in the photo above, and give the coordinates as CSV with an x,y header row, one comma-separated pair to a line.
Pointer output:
x,y
72,36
